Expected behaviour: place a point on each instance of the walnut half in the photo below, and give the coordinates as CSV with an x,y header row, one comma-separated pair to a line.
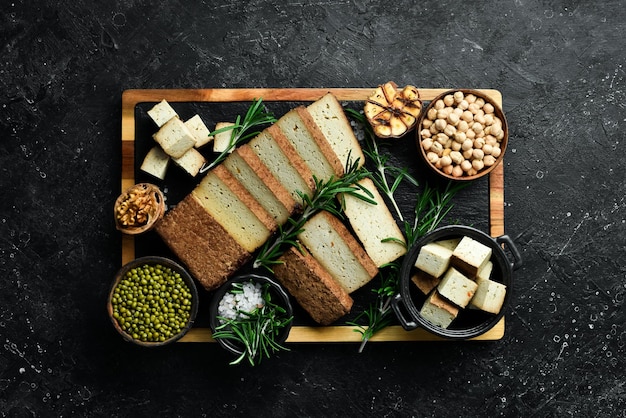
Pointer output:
x,y
138,208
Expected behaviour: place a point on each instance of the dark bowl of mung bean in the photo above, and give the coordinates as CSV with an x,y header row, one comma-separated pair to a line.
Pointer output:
x,y
153,301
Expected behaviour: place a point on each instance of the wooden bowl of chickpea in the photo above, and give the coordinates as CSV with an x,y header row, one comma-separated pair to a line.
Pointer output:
x,y
462,134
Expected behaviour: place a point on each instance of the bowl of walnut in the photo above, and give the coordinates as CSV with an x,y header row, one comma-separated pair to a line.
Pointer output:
x,y
138,208
462,134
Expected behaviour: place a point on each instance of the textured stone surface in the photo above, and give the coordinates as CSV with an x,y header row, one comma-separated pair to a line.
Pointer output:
x,y
560,67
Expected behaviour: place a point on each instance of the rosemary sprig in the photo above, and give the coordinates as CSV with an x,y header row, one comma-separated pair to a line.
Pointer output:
x,y
324,198
257,331
242,130
431,208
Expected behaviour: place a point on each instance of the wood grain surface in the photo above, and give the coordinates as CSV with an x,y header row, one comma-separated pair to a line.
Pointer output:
x,y
302,334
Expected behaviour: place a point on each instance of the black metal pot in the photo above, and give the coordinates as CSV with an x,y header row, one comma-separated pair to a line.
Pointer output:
x,y
470,323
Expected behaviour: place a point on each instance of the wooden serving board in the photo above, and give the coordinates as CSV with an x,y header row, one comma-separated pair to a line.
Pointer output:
x,y
309,334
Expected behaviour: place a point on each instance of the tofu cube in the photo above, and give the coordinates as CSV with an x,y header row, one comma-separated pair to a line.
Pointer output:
x,y
175,138
161,113
438,311
191,161
489,296
222,139
433,259
485,272
424,281
156,162
470,256
457,288
199,131
449,243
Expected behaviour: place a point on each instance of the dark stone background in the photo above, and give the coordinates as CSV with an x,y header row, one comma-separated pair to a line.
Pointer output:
x,y
560,67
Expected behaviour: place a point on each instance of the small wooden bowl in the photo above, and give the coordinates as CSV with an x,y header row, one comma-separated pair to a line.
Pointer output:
x,y
155,211
503,143
151,261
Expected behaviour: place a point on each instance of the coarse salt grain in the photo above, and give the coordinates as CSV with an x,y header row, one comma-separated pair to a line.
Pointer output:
x,y
237,305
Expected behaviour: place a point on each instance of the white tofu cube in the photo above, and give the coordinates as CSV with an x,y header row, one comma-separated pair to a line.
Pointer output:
x,y
438,311
449,243
457,288
485,272
222,139
489,296
174,137
470,255
191,161
433,259
161,113
199,131
156,162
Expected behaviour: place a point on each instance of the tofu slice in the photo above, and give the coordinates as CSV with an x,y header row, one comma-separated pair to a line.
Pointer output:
x,y
457,288
161,113
175,138
199,131
424,281
156,162
485,272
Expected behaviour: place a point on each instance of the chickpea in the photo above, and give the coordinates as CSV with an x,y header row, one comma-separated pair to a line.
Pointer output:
x,y
458,111
425,133
466,165
470,134
453,118
446,161
473,107
472,172
480,119
426,123
456,157
427,143
437,148
467,144
440,124
459,137
448,100
488,108
433,129
470,98
447,169
489,160
479,143
495,130
457,171
467,116
432,113
478,154
463,126
480,102
458,97
439,104
456,146
500,136
488,119
491,140
446,151
449,130
464,104
432,157
467,154
477,127
441,138
478,165
496,152
487,148
442,114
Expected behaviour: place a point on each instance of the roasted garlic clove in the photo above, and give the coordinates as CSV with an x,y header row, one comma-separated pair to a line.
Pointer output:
x,y
392,112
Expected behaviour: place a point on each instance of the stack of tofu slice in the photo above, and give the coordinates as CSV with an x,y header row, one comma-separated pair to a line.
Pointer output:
x,y
241,203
